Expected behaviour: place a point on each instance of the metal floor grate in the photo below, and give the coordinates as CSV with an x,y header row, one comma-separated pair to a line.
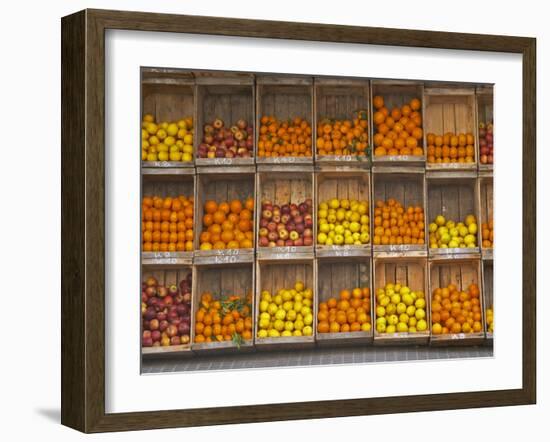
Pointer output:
x,y
311,357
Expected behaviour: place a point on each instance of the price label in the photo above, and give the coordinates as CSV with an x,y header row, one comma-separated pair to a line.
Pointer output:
x,y
228,259
399,158
458,336
400,248
280,160
343,158
223,161
165,261
286,249
228,252
282,256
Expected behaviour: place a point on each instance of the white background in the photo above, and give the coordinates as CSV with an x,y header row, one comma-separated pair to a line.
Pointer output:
x,y
125,53
30,221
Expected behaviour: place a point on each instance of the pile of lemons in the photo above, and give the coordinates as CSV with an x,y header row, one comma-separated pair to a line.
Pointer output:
x,y
448,234
343,222
400,310
287,313
166,141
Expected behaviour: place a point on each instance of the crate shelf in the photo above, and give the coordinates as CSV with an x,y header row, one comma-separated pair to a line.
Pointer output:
x,y
485,211
488,295
484,108
334,275
461,273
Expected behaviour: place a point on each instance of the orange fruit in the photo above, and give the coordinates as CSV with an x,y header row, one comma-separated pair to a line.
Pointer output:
x,y
210,206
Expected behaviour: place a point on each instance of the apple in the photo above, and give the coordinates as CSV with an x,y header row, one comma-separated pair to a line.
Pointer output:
x,y
151,291
308,233
285,217
185,339
218,123
172,330
276,218
272,226
146,334
273,236
241,124
154,324
155,335
299,242
187,297
308,240
283,233
147,342
263,241
173,290
163,325
267,214
168,300
294,235
289,243
183,328
263,232
150,313
280,243
161,316
162,291
300,228
151,282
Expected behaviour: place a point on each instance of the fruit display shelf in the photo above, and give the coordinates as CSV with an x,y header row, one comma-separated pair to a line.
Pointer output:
x,y
166,311
453,199
275,276
451,112
285,216
168,95
484,117
163,184
281,201
488,298
340,278
284,98
217,193
407,187
342,200
396,96
225,112
343,105
485,183
465,276
223,284
410,272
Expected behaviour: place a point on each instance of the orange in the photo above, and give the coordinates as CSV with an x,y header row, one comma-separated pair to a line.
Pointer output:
x,y
210,206
323,327
236,206
415,104
378,102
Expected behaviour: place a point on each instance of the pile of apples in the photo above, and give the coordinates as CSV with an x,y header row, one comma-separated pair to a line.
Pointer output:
x,y
286,225
219,141
165,313
486,143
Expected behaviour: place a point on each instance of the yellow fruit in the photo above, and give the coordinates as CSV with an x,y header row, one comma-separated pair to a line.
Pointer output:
x,y
172,129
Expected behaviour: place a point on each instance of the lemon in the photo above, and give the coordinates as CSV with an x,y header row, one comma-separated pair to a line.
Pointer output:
x,y
273,333
380,327
380,311
280,314
390,328
188,139
175,156
263,323
297,333
402,327
149,118
286,333
308,319
152,128
187,148
291,315
262,333
420,303
299,286
161,134
421,325
278,299
263,306
410,310
187,157
298,324
334,203
289,325
420,314
279,325
143,155
163,156
170,141
172,129
440,220
395,299
401,307
307,330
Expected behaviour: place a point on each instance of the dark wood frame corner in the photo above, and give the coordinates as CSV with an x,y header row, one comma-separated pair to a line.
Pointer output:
x,y
83,215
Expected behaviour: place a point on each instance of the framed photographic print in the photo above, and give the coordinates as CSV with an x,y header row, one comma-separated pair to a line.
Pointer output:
x,y
289,223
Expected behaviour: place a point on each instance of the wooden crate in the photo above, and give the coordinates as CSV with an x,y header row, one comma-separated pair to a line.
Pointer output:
x,y
411,272
396,93
334,275
166,276
276,275
349,185
488,295
164,185
222,281
484,113
168,95
486,202
341,99
283,188
229,97
453,195
450,109
222,187
284,97
462,273
407,185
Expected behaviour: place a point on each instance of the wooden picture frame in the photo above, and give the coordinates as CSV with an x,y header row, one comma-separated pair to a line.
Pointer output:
x,y
83,219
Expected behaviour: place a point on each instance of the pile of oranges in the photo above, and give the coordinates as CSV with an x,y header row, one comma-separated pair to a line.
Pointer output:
x,y
393,224
167,224
456,311
487,234
349,313
343,137
398,132
227,225
450,148
228,319
289,138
